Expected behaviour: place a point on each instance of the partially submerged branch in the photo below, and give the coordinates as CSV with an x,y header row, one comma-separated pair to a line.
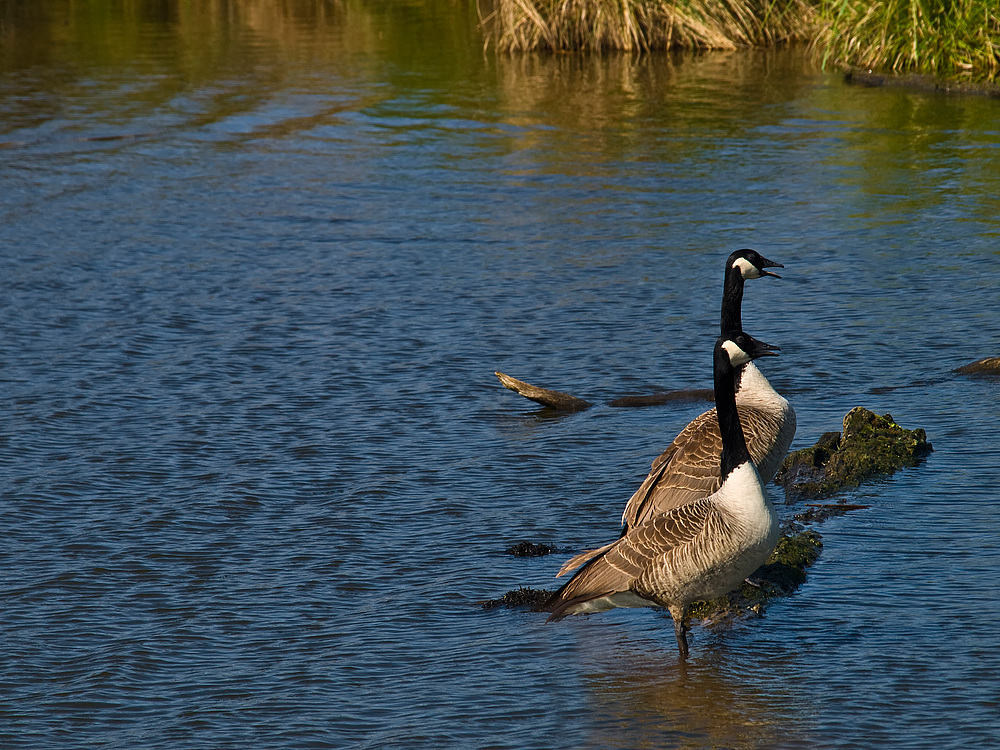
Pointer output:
x,y
544,396
565,402
988,367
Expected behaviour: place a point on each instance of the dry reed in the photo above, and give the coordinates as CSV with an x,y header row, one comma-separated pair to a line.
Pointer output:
x,y
563,25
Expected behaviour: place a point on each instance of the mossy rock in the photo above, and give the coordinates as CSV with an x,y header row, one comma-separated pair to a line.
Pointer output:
x,y
870,446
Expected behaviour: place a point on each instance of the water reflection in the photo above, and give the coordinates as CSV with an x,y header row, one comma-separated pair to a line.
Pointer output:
x,y
69,67
640,695
617,99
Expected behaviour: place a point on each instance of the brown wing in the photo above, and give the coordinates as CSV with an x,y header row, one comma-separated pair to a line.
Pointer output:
x,y
768,436
623,562
686,471
690,468
577,560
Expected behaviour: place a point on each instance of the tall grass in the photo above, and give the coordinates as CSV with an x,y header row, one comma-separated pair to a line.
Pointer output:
x,y
946,37
928,36
564,25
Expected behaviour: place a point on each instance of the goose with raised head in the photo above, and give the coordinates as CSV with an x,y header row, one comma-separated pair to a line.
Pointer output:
x,y
689,468
693,552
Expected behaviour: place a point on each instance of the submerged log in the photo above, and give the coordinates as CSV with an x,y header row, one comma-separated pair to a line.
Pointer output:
x,y
566,402
923,82
544,396
870,446
989,367
658,399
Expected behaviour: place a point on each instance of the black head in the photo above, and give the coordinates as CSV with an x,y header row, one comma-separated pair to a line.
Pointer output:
x,y
741,348
751,264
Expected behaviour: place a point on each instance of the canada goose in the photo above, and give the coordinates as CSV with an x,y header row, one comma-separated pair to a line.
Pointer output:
x,y
696,551
689,468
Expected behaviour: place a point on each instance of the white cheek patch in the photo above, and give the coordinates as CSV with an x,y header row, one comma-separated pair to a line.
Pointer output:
x,y
736,355
747,269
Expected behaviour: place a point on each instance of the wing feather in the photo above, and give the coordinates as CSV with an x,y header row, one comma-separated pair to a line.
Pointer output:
x,y
616,569
689,468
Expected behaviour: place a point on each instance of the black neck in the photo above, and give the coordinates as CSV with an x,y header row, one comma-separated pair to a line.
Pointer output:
x,y
732,300
734,445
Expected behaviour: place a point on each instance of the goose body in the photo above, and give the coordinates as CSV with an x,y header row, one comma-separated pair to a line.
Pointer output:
x,y
698,550
688,469
695,552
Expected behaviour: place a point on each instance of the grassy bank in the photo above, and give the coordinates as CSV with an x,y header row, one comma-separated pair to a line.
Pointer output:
x,y
944,37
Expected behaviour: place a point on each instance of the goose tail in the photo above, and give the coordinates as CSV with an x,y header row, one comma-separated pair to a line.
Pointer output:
x,y
577,560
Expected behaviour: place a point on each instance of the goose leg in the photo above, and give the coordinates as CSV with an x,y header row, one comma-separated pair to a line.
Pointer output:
x,y
679,614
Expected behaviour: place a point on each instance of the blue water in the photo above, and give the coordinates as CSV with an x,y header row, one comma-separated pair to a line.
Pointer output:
x,y
257,475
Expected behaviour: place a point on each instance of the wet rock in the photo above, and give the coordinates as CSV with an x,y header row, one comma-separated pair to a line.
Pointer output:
x,y
817,513
529,549
988,367
870,446
520,597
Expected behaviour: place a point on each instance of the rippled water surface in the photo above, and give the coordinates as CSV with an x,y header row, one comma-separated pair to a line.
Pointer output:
x,y
257,475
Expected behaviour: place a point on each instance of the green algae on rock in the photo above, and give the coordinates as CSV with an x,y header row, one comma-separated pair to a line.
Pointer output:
x,y
870,446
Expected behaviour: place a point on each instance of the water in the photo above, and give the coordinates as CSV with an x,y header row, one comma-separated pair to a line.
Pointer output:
x,y
256,473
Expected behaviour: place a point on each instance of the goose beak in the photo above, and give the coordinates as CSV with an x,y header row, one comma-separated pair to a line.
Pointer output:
x,y
765,350
769,264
